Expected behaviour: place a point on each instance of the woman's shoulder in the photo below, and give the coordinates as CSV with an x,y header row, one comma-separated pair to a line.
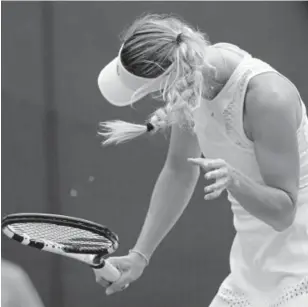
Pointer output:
x,y
226,45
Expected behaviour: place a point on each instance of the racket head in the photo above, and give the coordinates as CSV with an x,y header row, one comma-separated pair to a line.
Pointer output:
x,y
60,234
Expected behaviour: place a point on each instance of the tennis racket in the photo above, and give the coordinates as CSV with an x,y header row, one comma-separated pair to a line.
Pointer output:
x,y
67,236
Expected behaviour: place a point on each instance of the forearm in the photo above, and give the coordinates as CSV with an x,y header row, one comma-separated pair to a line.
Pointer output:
x,y
273,206
170,197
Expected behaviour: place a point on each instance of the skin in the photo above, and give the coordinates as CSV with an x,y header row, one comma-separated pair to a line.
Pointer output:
x,y
272,115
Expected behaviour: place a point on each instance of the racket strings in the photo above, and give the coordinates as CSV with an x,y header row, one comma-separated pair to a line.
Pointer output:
x,y
65,235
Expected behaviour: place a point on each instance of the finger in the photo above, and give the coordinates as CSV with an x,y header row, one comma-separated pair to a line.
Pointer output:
x,y
207,164
111,291
126,286
216,174
103,282
100,280
119,285
213,195
197,161
114,261
218,185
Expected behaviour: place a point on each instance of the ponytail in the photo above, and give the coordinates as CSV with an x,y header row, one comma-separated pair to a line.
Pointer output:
x,y
118,131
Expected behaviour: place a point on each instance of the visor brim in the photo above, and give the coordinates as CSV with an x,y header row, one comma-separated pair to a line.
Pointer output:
x,y
113,89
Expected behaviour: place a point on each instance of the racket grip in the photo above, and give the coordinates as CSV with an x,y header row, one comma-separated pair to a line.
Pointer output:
x,y
107,271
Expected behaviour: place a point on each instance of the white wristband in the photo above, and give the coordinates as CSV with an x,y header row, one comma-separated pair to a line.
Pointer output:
x,y
143,256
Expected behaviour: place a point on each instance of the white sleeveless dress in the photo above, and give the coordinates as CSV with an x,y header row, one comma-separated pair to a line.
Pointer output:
x,y
268,268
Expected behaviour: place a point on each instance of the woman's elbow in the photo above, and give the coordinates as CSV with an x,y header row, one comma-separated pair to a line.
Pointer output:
x,y
285,218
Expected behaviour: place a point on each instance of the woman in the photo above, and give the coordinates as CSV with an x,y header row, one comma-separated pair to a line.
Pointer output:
x,y
250,124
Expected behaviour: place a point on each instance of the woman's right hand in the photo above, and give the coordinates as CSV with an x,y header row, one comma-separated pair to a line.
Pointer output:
x,y
131,268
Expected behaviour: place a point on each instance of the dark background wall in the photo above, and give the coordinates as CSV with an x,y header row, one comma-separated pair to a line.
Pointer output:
x,y
52,160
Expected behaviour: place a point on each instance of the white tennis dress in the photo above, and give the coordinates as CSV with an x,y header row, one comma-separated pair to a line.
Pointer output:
x,y
268,268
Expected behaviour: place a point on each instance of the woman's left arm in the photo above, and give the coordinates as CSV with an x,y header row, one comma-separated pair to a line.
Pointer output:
x,y
272,119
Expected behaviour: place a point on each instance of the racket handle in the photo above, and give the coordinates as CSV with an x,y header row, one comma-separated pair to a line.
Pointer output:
x,y
107,271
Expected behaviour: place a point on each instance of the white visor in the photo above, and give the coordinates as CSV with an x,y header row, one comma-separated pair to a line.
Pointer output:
x,y
122,88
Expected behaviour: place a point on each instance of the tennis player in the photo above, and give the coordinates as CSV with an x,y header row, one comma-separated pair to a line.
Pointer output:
x,y
250,124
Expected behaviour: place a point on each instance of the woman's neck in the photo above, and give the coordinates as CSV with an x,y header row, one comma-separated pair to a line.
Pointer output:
x,y
224,66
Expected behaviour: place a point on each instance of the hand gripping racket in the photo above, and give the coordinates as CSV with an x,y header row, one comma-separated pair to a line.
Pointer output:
x,y
72,237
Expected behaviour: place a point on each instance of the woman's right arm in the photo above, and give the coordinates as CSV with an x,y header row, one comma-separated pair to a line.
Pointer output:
x,y
171,195
172,192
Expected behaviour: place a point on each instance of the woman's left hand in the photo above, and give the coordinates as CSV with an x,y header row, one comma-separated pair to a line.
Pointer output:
x,y
217,170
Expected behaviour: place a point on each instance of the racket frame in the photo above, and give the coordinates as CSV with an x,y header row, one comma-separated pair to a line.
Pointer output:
x,y
95,260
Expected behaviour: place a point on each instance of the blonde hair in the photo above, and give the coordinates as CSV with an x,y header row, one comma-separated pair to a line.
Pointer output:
x,y
163,44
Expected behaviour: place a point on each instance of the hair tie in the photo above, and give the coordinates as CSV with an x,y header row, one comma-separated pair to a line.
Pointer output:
x,y
179,39
150,127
